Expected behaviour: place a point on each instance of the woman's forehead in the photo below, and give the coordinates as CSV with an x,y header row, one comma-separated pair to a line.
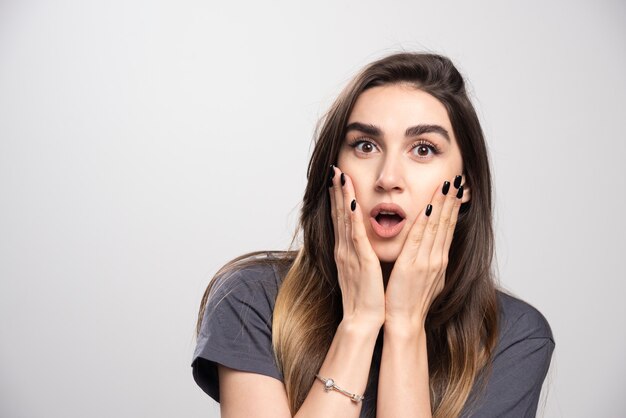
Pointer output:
x,y
397,107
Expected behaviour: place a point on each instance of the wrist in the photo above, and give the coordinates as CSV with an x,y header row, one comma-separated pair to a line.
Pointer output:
x,y
364,327
405,328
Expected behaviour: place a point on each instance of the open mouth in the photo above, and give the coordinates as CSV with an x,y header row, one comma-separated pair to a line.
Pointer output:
x,y
387,219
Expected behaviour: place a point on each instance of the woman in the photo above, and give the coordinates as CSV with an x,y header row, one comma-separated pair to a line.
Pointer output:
x,y
390,308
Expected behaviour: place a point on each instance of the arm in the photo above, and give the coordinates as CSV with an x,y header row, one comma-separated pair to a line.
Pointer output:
x,y
347,362
403,384
348,359
244,394
416,279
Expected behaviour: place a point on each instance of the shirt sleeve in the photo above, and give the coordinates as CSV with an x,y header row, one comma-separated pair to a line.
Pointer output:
x,y
236,328
518,370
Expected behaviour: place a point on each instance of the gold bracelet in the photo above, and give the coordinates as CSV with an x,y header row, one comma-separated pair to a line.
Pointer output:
x,y
329,384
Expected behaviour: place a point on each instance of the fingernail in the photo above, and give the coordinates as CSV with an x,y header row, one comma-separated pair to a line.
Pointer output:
x,y
429,209
331,175
445,188
353,205
457,181
459,194
343,179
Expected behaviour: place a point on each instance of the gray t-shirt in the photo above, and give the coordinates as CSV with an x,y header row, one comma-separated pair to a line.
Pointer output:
x,y
237,332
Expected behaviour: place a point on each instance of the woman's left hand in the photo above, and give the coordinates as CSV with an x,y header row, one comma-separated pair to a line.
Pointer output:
x,y
418,275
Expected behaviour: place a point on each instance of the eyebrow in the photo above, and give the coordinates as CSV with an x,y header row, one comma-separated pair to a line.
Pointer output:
x,y
374,130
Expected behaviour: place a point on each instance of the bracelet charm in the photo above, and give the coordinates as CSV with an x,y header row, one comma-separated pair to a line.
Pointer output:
x,y
329,384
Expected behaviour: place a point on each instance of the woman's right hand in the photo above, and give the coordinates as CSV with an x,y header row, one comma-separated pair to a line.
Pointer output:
x,y
358,268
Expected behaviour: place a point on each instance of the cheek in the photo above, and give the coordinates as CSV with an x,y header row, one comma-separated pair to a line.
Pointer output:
x,y
426,182
358,172
342,158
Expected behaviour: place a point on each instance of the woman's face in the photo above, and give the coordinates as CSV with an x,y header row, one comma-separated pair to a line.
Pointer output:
x,y
399,149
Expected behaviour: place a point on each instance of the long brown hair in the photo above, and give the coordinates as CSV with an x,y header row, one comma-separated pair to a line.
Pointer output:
x,y
462,323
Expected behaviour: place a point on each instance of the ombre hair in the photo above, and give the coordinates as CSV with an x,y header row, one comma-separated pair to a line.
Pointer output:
x,y
462,323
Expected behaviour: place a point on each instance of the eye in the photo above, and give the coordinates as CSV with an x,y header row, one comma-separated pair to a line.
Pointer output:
x,y
424,149
363,146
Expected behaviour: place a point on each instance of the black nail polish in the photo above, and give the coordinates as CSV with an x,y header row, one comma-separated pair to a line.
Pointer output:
x,y
331,175
343,179
429,209
445,188
459,194
457,181
353,205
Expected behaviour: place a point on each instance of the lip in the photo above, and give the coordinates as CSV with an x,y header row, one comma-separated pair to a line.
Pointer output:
x,y
378,228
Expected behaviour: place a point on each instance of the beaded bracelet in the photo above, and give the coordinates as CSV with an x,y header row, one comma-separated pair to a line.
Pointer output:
x,y
329,384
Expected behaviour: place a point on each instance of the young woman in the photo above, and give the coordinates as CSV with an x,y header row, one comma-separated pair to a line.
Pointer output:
x,y
389,308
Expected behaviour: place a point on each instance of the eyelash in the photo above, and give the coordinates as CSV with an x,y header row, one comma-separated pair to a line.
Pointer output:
x,y
434,148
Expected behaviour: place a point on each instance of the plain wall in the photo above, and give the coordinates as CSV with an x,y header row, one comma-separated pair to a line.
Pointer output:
x,y
145,143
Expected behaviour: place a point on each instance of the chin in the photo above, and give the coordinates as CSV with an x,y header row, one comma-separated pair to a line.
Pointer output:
x,y
387,255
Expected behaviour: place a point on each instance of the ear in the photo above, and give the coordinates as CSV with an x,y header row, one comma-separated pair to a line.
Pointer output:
x,y
467,193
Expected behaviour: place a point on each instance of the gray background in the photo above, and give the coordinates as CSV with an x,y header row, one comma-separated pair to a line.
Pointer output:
x,y
145,143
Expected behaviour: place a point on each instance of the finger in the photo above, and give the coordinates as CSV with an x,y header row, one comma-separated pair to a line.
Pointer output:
x,y
415,235
347,191
333,207
453,219
337,189
340,214
446,223
432,226
358,236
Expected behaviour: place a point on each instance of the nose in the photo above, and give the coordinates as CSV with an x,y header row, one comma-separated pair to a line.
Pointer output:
x,y
390,175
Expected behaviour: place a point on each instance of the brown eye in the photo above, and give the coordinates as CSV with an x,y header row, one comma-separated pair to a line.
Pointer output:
x,y
422,151
425,150
365,147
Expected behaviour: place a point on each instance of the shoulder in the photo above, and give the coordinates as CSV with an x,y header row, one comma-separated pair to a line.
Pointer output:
x,y
236,327
519,321
523,330
519,364
252,281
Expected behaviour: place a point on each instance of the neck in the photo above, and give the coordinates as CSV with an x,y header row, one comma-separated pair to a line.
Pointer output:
x,y
386,269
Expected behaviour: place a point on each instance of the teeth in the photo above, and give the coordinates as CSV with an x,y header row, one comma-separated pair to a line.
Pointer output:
x,y
384,212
